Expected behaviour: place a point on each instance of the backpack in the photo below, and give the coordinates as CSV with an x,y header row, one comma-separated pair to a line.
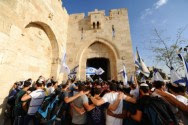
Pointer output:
x,y
9,113
157,112
49,109
18,108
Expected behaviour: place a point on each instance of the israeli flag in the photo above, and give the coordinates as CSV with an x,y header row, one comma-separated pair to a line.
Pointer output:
x,y
175,78
100,71
64,67
74,70
124,75
91,71
141,65
157,76
185,67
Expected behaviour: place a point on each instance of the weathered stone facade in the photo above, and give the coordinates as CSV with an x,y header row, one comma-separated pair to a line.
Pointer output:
x,y
33,34
109,39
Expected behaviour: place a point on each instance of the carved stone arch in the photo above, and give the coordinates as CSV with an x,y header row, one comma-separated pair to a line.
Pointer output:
x,y
53,42
98,49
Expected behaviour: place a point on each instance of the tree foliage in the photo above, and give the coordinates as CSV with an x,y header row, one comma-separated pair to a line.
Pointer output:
x,y
165,49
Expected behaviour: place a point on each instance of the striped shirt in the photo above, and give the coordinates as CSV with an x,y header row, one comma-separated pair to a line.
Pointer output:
x,y
37,98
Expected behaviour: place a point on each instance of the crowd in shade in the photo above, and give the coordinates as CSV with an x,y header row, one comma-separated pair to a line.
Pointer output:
x,y
97,102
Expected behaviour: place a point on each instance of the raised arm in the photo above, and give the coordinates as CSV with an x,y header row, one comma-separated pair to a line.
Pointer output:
x,y
135,80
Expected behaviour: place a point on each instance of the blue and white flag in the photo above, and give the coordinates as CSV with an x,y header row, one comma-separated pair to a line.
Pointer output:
x,y
175,78
91,71
141,65
185,67
124,73
64,67
157,76
100,71
74,70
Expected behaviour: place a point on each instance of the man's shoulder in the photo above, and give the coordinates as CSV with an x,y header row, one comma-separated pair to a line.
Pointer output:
x,y
111,93
21,92
83,96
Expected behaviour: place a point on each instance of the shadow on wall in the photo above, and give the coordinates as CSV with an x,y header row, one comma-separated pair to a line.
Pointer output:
x,y
4,120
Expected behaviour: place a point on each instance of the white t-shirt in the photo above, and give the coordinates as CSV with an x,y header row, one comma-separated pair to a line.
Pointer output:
x,y
185,101
37,97
50,90
111,98
135,92
182,99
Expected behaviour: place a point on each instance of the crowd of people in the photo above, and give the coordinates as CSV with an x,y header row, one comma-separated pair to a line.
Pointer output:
x,y
97,103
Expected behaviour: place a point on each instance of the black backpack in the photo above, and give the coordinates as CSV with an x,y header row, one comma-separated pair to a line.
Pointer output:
x,y
157,112
9,109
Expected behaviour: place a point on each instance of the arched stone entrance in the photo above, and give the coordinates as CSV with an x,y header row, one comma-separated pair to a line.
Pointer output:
x,y
99,52
44,47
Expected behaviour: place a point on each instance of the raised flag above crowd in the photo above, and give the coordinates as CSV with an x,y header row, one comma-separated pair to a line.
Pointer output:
x,y
157,76
124,74
64,66
175,78
141,65
91,71
100,71
185,64
94,71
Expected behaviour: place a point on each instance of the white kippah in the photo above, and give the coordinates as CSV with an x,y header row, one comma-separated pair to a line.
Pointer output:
x,y
144,84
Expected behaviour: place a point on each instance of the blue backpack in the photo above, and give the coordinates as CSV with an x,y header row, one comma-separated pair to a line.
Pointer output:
x,y
49,109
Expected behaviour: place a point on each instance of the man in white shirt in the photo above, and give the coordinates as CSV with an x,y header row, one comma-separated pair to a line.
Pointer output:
x,y
36,97
111,97
180,97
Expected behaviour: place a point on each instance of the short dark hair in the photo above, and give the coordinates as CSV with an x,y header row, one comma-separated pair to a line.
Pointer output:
x,y
113,87
26,84
49,84
39,84
145,89
97,91
54,82
172,87
64,85
182,88
81,87
158,84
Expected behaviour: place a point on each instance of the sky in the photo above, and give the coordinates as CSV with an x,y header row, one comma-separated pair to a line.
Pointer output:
x,y
144,15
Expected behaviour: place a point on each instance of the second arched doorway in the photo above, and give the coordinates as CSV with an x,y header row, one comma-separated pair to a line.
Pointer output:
x,y
97,55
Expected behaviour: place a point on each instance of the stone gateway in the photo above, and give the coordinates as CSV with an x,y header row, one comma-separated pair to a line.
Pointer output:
x,y
34,34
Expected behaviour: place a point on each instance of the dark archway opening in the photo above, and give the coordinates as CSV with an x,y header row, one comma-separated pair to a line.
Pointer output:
x,y
100,62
